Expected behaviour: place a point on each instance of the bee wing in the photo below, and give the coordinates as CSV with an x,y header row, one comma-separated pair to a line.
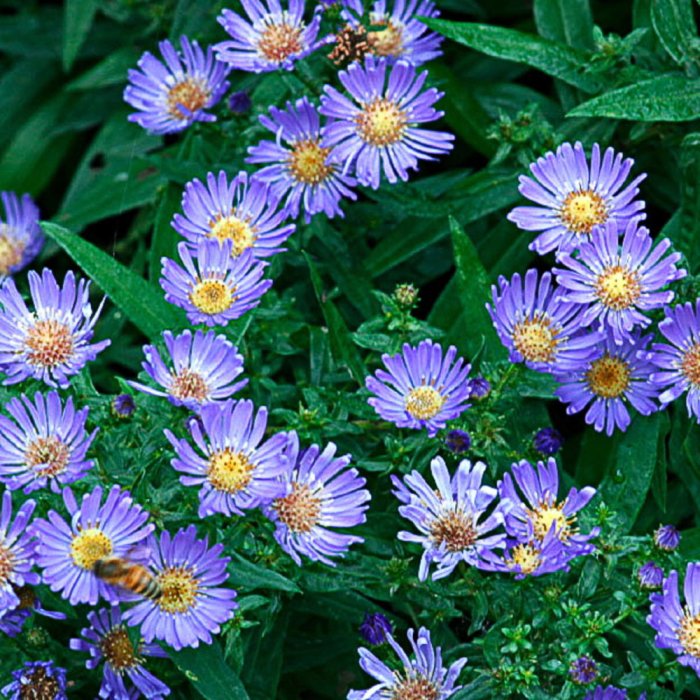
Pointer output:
x,y
140,554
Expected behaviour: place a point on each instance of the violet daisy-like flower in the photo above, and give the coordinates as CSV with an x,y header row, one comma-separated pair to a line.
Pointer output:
x,y
574,197
213,287
297,166
536,325
423,388
375,628
537,513
193,605
612,377
678,626
609,692
677,362
533,557
172,94
17,552
451,517
242,211
422,676
12,621
203,368
615,282
667,537
650,575
21,237
44,444
583,670
270,38
234,467
107,640
52,342
37,679
67,552
320,494
375,130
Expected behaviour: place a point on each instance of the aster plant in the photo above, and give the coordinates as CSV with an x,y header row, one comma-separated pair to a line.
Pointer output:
x,y
21,237
37,679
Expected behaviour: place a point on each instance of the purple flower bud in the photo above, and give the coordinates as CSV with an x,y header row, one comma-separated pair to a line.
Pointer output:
x,y
479,388
548,441
239,102
667,538
650,575
458,441
123,405
374,628
583,670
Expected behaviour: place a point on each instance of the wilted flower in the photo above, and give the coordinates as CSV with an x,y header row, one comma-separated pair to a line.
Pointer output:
x,y
375,628
667,538
21,238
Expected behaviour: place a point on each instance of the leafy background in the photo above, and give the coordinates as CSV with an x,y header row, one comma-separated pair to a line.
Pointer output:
x,y
519,78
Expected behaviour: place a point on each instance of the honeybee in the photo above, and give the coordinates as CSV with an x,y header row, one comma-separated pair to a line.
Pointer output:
x,y
126,574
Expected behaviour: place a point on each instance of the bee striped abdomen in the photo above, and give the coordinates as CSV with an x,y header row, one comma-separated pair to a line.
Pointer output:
x,y
136,578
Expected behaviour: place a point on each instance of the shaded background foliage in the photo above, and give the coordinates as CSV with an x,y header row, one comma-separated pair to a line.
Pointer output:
x,y
621,73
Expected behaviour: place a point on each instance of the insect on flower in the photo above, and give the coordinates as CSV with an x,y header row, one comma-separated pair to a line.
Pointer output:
x,y
128,575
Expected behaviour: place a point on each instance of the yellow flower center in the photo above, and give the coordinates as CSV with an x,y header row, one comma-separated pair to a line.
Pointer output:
x,y
525,556
618,287
535,339
689,633
212,296
229,471
300,510
38,685
280,41
118,650
11,250
307,162
50,452
189,385
419,688
88,546
545,514
386,42
455,529
582,210
231,228
179,588
424,402
608,377
49,343
690,365
381,122
191,93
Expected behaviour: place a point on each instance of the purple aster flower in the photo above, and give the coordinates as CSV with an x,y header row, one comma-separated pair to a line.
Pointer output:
x,y
378,132
536,513
37,679
17,552
21,237
574,197
422,676
236,470
396,33
107,640
458,441
193,605
422,389
242,211
52,342
608,693
172,94
375,628
123,406
67,552
320,494
12,621
667,538
297,166
679,359
613,376
270,39
583,670
204,369
451,518
650,575
548,441
45,444
536,325
479,388
534,557
616,283
240,102
213,287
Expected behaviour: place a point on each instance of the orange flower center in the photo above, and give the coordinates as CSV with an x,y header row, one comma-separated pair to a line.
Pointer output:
x,y
118,650
191,93
608,377
307,162
38,685
50,452
300,510
49,343
189,385
419,688
455,529
280,41
386,42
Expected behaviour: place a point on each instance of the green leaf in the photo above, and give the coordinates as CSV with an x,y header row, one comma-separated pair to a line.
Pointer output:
x,y
567,21
77,20
667,98
673,24
207,670
165,238
110,71
559,61
245,574
142,303
687,236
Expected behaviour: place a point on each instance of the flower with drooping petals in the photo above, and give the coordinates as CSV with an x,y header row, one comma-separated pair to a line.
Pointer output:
x,y
45,444
213,287
615,283
42,680
320,494
21,237
573,197
375,628
236,470
532,557
270,39
67,552
375,130
297,166
451,517
423,388
172,94
204,369
243,211
667,537
422,676
107,640
193,605
52,342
